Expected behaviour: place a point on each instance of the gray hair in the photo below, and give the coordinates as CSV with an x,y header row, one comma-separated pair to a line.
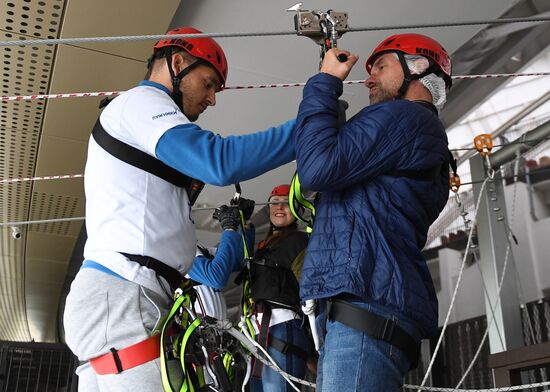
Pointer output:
x,y
435,84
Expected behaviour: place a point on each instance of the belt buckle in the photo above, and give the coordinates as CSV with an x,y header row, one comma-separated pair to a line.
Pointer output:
x,y
387,330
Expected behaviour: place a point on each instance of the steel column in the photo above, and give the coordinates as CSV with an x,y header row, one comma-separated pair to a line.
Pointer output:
x,y
492,236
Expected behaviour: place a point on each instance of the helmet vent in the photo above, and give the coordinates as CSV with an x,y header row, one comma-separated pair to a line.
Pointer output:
x,y
389,42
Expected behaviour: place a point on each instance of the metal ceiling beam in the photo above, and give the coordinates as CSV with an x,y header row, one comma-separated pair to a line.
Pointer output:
x,y
467,94
510,123
522,144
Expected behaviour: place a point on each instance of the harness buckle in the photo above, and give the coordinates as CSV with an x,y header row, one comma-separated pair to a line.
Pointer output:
x,y
285,348
116,358
387,330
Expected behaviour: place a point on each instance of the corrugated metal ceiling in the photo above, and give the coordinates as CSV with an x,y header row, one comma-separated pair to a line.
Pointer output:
x,y
48,138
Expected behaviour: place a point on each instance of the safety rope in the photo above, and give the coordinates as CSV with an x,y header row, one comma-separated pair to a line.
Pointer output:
x,y
510,177
71,176
455,185
55,220
459,279
500,389
484,145
39,178
37,222
79,218
156,37
508,227
509,234
538,140
251,345
181,303
7,98
226,326
491,320
297,202
246,295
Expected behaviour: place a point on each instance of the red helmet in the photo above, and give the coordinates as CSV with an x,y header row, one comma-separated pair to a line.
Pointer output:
x,y
415,44
203,48
280,190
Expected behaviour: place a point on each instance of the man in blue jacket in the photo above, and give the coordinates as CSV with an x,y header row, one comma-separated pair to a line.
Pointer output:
x,y
146,162
383,178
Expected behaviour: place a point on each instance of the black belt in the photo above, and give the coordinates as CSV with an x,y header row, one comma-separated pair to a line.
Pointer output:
x,y
375,326
172,276
265,339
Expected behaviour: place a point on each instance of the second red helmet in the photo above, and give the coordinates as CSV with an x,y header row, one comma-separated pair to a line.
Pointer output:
x,y
203,48
415,44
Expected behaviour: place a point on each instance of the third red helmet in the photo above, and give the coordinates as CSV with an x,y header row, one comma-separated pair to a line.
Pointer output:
x,y
280,190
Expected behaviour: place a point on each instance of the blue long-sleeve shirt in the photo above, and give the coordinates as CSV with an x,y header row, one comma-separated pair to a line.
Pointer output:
x,y
215,272
218,160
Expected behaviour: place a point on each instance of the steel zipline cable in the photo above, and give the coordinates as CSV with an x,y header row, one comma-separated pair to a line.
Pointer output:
x,y
81,218
155,37
196,209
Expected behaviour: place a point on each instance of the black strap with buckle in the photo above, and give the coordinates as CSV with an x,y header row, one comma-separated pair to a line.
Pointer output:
x,y
118,363
287,348
262,338
375,326
171,275
146,162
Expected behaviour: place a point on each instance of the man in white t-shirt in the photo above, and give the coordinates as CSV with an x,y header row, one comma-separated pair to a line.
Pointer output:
x,y
141,238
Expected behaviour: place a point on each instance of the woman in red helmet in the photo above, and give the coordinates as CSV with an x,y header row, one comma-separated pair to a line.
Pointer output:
x,y
275,272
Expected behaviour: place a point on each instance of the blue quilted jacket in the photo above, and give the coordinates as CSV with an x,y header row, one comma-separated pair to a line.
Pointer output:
x,y
371,226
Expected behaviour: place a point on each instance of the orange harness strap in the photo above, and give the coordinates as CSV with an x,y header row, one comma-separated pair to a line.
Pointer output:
x,y
117,361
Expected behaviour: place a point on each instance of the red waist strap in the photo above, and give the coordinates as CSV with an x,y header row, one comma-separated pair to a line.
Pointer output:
x,y
137,354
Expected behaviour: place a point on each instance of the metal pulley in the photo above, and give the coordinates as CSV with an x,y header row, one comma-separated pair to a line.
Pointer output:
x,y
484,143
325,28
454,182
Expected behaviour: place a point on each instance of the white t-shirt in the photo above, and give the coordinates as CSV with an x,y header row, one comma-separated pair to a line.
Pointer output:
x,y
127,209
213,302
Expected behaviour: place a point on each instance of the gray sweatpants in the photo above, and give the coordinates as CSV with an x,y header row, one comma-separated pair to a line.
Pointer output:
x,y
103,311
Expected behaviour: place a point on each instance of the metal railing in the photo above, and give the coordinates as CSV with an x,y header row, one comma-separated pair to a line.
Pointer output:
x,y
36,367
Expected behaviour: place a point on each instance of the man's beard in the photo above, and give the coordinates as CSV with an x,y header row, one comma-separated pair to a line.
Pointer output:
x,y
192,118
381,95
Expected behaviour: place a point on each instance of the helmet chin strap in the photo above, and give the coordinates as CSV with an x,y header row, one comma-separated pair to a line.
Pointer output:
x,y
177,96
408,77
